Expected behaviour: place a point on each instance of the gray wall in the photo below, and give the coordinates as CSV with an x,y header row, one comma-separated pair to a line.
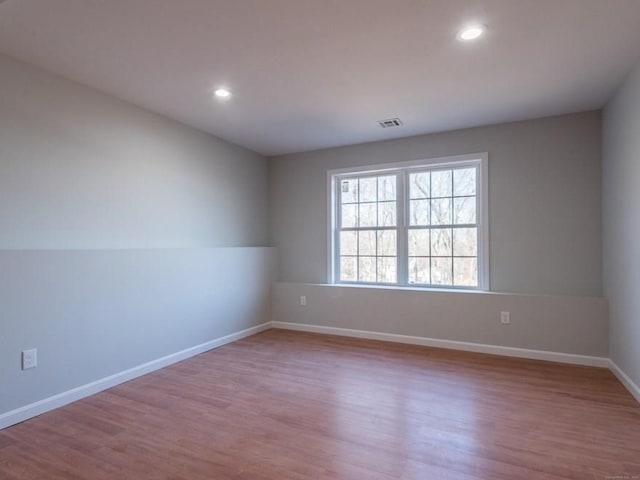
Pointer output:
x,y
568,324
122,235
621,222
544,196
79,169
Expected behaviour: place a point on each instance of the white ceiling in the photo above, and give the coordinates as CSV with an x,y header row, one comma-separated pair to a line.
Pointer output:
x,y
309,74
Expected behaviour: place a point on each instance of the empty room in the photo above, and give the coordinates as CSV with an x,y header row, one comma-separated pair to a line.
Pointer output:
x,y
319,239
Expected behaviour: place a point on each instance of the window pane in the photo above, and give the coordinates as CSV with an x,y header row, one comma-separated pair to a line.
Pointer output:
x,y
387,214
418,243
349,216
348,267
419,186
464,210
367,269
441,184
368,189
367,242
419,270
465,242
348,243
464,181
441,244
367,215
349,190
441,211
387,188
387,270
387,243
465,271
419,212
441,271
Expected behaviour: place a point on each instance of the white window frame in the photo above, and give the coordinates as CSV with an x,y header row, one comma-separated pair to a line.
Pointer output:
x,y
481,160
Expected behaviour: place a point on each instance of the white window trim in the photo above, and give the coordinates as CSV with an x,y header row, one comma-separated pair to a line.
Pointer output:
x,y
482,216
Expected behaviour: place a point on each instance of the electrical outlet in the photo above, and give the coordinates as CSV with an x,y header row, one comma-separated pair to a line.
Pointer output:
x,y
29,359
303,300
505,318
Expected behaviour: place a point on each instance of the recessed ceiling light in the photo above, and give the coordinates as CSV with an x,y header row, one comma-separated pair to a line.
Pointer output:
x,y
471,32
222,93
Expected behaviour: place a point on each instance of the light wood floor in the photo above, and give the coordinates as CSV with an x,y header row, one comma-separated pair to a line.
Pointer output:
x,y
284,405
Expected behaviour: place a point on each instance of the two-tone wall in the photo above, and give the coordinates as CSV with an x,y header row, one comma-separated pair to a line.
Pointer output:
x,y
125,239
129,241
544,241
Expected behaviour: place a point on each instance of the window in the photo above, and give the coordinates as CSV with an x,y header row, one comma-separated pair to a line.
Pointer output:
x,y
413,224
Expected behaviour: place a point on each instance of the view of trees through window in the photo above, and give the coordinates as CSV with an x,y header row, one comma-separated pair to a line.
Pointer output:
x,y
442,233
368,237
436,221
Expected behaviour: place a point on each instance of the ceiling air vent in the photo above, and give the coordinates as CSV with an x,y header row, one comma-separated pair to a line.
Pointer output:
x,y
392,122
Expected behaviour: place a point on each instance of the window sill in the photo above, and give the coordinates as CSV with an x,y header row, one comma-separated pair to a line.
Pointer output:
x,y
409,288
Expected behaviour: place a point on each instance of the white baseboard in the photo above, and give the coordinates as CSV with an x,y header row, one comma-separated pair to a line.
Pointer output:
x,y
625,380
37,408
451,344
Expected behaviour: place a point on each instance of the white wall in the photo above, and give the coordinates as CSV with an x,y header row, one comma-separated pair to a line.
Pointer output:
x,y
621,223
124,236
544,196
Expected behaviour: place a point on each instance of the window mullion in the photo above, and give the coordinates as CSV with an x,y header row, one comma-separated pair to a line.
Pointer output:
x,y
337,211
401,225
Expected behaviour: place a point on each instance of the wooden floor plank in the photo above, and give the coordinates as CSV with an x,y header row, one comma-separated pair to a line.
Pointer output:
x,y
290,405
